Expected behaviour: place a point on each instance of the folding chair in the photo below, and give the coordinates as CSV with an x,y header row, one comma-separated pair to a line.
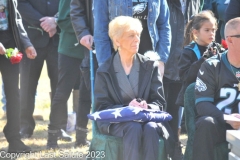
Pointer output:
x,y
221,150
111,146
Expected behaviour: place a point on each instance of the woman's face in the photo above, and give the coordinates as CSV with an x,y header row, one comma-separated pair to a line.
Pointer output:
x,y
129,42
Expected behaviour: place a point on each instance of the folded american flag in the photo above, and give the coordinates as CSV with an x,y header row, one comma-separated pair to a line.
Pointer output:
x,y
130,113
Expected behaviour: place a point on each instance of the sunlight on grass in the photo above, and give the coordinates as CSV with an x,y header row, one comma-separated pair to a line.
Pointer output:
x,y
39,140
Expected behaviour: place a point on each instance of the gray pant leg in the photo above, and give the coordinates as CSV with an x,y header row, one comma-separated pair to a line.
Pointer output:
x,y
151,133
131,132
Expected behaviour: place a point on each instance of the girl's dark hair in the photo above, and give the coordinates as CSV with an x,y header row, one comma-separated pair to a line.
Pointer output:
x,y
196,23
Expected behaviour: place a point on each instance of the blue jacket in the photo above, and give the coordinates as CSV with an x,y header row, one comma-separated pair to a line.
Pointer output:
x,y
158,25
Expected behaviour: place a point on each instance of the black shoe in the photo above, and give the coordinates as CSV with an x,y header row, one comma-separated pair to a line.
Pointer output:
x,y
53,138
17,146
64,136
81,135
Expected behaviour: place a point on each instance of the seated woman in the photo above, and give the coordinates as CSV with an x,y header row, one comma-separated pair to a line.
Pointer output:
x,y
122,79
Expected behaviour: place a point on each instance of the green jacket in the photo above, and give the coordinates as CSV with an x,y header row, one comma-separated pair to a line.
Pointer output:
x,y
68,40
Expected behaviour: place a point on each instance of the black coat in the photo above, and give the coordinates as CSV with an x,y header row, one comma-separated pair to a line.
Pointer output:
x,y
82,21
233,10
82,17
177,29
192,7
20,35
32,11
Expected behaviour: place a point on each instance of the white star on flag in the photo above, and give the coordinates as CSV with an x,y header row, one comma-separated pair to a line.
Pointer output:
x,y
165,116
117,113
136,110
151,115
96,115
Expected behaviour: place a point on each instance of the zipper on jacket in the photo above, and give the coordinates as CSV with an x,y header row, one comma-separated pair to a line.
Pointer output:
x,y
39,29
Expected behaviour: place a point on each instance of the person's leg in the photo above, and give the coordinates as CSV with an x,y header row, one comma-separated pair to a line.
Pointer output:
x,y
52,66
10,76
171,90
208,133
131,132
68,74
83,110
180,115
75,95
151,135
30,71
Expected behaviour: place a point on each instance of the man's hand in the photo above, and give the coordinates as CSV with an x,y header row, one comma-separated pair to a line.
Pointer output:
x,y
135,103
2,49
234,124
161,68
87,41
48,24
31,52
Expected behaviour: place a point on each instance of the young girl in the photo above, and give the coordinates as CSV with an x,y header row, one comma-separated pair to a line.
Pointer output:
x,y
199,35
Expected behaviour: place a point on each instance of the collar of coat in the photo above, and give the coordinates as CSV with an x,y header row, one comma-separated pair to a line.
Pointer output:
x,y
145,63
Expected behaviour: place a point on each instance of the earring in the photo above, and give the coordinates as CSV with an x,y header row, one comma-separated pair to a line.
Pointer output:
x,y
118,48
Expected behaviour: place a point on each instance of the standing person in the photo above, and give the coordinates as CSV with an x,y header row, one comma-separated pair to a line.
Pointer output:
x,y
39,22
12,34
217,81
69,60
233,10
171,79
153,14
82,21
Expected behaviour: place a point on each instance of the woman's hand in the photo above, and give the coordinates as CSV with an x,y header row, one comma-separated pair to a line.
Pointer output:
x,y
135,103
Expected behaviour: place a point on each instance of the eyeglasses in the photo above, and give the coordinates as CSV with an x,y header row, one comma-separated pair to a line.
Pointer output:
x,y
237,36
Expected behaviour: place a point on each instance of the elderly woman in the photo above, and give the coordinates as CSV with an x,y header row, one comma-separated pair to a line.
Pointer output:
x,y
122,79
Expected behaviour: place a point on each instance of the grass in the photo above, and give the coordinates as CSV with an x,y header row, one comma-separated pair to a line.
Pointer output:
x,y
39,139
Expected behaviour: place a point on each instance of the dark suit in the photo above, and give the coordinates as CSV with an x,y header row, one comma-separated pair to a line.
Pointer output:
x,y
32,11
